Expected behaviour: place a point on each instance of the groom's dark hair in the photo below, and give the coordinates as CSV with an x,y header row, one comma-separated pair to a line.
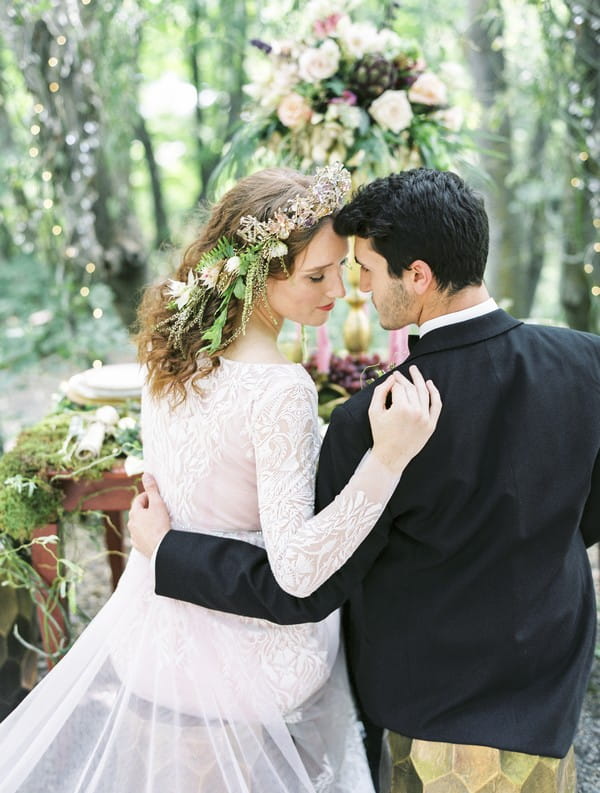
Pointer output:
x,y
422,214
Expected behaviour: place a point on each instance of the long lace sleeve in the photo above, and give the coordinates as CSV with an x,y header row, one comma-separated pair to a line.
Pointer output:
x,y
305,549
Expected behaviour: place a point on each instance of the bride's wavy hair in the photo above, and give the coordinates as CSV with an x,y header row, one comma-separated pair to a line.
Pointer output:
x,y
169,365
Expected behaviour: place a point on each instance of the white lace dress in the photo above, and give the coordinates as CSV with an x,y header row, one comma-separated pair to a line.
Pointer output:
x,y
161,696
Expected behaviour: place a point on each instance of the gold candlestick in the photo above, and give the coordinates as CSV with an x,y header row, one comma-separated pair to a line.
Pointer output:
x,y
357,328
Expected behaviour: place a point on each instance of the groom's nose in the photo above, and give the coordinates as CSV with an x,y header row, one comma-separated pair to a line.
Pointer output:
x,y
364,281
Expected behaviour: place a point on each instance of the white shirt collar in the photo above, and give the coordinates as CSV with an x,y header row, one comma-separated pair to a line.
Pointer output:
x,y
478,310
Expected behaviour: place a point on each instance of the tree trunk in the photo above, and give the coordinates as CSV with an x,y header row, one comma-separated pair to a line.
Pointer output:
x,y
583,202
161,224
486,61
63,56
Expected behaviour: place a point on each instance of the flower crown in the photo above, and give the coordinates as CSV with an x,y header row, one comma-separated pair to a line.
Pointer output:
x,y
232,270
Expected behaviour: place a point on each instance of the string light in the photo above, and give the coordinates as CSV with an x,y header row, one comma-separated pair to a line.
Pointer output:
x,y
575,182
46,175
97,313
90,267
584,156
56,230
35,129
54,87
597,247
97,364
70,251
38,108
60,40
596,222
84,291
52,62
588,268
596,291
34,151
47,203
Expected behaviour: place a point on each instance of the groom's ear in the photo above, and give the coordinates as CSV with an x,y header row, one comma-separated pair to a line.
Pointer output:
x,y
421,276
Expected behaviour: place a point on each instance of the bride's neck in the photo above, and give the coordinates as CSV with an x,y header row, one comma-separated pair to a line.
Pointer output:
x,y
258,344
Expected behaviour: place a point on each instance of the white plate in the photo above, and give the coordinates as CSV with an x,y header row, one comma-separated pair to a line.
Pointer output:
x,y
114,380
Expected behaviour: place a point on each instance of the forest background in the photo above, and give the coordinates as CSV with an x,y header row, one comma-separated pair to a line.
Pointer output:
x,y
115,115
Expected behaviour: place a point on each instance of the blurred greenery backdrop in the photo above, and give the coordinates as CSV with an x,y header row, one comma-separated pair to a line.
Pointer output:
x,y
115,116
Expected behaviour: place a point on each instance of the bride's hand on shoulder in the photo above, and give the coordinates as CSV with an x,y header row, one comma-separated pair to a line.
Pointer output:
x,y
403,416
149,519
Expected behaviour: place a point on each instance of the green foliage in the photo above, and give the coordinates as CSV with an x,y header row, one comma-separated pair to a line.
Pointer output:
x,y
42,313
30,496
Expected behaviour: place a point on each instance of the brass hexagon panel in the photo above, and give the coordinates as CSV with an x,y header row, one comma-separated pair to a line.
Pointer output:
x,y
436,767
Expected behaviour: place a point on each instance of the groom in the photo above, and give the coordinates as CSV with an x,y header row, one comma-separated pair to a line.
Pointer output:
x,y
469,610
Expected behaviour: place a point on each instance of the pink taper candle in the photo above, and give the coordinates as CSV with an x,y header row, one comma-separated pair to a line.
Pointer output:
x,y
323,354
398,346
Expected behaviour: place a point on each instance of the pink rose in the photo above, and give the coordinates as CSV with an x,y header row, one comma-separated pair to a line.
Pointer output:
x,y
294,111
428,89
324,27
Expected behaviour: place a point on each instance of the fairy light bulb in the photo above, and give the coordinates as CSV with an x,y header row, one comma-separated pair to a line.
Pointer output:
x,y
84,291
588,268
90,267
97,313
54,87
56,230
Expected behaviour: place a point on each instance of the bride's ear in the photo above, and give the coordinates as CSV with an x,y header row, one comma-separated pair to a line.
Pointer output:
x,y
421,276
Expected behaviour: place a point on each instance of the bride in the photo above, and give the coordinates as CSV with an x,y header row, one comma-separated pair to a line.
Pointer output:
x,y
161,696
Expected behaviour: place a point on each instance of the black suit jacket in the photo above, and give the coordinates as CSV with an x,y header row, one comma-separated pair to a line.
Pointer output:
x,y
470,608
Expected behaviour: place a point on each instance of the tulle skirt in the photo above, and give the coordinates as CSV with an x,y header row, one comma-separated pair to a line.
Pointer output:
x,y
160,696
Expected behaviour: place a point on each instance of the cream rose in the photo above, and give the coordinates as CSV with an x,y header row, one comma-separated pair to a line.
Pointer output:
x,y
451,117
392,110
294,111
357,38
388,43
428,89
319,63
348,115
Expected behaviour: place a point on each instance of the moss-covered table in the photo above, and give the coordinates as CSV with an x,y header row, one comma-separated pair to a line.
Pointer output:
x,y
111,494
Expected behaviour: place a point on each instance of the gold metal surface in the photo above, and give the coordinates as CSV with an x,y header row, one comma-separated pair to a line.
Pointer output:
x,y
414,766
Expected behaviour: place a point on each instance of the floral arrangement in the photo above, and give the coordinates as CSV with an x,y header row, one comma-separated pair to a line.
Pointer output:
x,y
346,375
347,91
70,441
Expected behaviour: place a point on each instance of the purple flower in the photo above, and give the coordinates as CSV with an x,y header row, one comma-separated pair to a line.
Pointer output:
x,y
347,98
261,45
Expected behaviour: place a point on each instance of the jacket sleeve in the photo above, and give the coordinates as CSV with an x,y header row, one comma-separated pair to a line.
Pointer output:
x,y
235,577
590,521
